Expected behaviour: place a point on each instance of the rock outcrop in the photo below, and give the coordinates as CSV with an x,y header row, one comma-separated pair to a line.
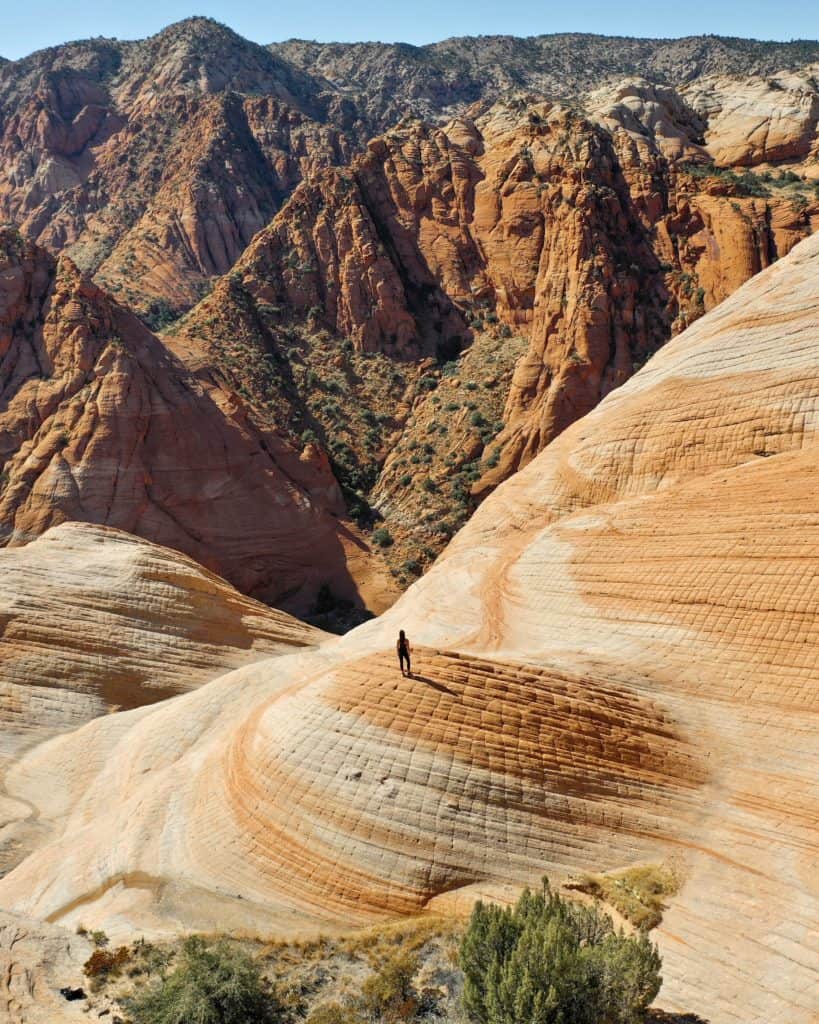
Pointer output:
x,y
595,239
101,423
96,620
614,661
36,961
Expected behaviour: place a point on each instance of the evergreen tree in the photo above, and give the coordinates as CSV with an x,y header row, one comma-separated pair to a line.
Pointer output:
x,y
552,961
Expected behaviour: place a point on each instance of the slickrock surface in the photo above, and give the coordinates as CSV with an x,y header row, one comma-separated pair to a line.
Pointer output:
x,y
760,120
93,620
615,661
99,422
96,620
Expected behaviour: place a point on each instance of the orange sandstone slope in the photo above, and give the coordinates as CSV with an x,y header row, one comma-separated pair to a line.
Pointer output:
x,y
100,423
96,620
153,163
615,662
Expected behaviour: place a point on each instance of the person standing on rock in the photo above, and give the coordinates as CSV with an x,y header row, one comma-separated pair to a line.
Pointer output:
x,y
402,646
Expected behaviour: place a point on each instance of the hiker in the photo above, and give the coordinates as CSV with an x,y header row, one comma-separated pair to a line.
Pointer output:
x,y
403,648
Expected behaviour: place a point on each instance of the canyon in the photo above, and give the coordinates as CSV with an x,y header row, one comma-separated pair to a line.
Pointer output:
x,y
413,277
602,678
511,343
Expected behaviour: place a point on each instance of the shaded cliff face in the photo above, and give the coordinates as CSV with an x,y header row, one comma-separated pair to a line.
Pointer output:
x,y
440,311
101,423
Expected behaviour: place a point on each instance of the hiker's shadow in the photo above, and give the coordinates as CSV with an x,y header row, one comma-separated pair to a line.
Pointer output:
x,y
435,685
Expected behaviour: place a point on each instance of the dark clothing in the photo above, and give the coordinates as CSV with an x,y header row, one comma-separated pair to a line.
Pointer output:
x,y
403,648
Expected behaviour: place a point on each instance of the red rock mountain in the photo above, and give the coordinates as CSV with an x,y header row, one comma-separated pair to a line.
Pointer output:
x,y
154,163
566,247
421,314
99,422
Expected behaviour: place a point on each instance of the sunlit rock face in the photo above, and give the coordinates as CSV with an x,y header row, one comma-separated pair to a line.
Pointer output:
x,y
614,661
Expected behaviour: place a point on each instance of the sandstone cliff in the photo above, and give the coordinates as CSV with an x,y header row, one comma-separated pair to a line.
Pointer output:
x,y
614,661
556,251
101,423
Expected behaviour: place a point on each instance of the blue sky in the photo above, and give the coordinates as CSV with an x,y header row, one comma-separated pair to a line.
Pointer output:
x,y
25,27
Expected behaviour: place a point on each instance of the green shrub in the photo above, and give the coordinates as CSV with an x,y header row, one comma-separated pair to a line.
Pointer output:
x,y
159,314
405,480
551,961
389,995
211,985
382,537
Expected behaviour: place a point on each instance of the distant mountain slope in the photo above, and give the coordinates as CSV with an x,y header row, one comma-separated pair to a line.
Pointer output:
x,y
390,80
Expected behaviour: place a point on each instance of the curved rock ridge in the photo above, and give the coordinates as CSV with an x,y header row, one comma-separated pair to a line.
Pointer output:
x,y
100,422
96,620
615,662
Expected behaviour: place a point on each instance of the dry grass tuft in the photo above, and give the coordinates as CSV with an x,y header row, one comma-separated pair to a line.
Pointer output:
x,y
637,893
